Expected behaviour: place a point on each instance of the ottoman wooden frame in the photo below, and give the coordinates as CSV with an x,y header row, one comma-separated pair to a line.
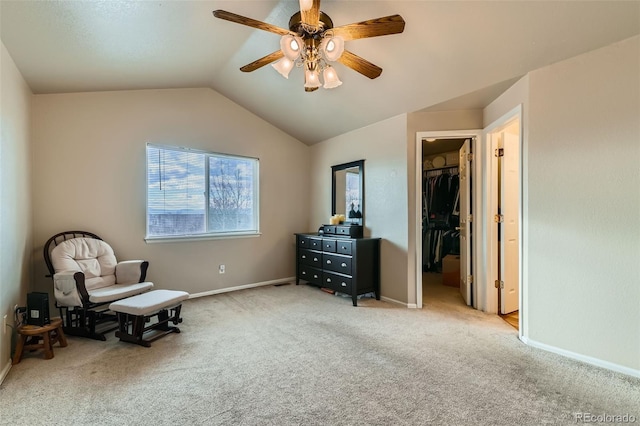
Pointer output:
x,y
136,311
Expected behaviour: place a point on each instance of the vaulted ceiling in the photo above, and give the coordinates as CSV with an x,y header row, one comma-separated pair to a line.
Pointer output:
x,y
467,51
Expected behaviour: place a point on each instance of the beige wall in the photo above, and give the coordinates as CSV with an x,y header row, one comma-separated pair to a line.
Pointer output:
x,y
89,173
15,205
512,97
581,204
382,146
584,204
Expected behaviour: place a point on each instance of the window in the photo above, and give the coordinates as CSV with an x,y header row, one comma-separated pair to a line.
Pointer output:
x,y
200,194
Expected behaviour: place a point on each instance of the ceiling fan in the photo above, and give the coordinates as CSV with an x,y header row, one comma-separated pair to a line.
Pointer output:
x,y
312,42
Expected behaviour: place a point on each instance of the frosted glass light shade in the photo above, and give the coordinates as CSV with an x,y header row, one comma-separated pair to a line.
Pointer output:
x,y
291,46
332,47
283,66
305,5
330,77
311,79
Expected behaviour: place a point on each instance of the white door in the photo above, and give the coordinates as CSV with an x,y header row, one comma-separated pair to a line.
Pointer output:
x,y
465,223
510,210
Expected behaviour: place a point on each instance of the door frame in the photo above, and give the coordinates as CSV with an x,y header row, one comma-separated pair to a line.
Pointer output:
x,y
476,136
490,293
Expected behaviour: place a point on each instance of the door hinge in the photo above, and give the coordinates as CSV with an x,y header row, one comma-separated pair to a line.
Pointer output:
x,y
498,218
469,279
500,152
470,157
470,218
499,284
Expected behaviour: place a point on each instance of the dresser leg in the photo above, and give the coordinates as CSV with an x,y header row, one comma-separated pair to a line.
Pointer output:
x,y
354,298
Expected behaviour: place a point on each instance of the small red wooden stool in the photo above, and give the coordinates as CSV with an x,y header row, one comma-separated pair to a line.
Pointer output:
x,y
50,334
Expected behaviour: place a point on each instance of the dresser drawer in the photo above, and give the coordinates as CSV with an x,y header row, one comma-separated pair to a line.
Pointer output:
x,y
336,282
328,245
343,247
310,257
329,229
315,243
336,263
303,242
309,274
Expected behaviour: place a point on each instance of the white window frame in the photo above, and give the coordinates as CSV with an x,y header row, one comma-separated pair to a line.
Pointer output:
x,y
206,235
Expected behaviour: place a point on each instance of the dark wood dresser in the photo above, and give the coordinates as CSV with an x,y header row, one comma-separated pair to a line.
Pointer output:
x,y
340,263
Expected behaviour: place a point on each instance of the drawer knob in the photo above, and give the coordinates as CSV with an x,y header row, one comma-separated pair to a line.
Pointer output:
x,y
328,280
304,256
304,273
328,261
315,276
344,247
315,259
343,284
344,265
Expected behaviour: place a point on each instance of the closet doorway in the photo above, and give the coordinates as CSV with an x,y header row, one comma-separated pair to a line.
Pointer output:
x,y
444,260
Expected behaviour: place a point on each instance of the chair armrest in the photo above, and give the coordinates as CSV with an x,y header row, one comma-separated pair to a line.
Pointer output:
x,y
69,289
131,271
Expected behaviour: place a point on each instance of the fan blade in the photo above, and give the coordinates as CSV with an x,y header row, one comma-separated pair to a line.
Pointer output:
x,y
312,16
360,65
259,63
238,19
393,24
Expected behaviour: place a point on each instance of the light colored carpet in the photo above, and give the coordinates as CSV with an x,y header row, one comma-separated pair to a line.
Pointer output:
x,y
293,355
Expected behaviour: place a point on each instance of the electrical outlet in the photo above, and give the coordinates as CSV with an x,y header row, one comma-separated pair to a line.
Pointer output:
x,y
4,324
221,269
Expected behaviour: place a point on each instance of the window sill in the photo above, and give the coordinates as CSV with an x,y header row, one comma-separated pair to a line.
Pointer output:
x,y
187,238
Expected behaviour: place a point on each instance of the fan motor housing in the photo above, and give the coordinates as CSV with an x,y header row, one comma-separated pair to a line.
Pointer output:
x,y
296,25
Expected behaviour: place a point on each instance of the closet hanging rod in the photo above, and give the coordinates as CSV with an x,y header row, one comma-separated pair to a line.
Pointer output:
x,y
442,168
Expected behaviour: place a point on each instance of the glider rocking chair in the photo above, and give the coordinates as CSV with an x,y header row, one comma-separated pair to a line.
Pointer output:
x,y
87,278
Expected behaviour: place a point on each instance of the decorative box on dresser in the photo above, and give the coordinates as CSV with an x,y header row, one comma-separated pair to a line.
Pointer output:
x,y
340,260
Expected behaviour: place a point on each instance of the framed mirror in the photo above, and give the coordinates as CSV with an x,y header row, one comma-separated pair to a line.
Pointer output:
x,y
347,191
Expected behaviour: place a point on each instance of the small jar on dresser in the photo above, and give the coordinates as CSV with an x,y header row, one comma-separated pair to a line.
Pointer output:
x,y
339,259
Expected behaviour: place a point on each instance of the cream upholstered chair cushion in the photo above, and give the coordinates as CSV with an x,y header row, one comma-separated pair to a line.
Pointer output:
x,y
93,257
105,279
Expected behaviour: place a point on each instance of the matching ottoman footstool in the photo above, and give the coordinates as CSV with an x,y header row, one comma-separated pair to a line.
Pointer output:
x,y
136,311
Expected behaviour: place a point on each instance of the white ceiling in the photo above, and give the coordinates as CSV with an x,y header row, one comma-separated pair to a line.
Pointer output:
x,y
452,54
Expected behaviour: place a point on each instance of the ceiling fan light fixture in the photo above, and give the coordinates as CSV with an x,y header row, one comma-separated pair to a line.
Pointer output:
x,y
332,47
306,5
311,79
284,67
291,46
330,77
312,42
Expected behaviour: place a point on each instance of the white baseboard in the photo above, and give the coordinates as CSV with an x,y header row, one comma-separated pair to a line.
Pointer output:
x,y
242,287
397,302
5,371
584,358
280,281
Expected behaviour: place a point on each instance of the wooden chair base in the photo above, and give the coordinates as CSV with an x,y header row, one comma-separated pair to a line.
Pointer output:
x,y
30,336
